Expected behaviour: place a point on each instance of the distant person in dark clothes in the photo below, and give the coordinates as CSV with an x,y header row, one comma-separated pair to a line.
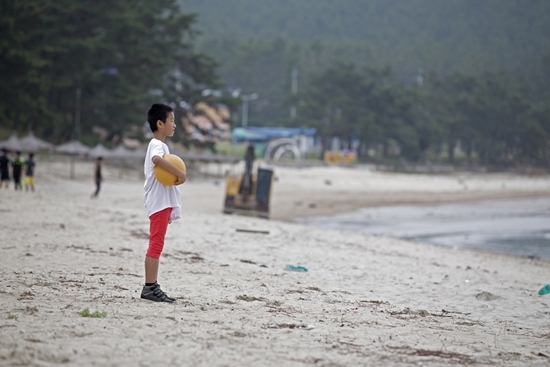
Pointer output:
x,y
29,173
17,170
4,168
97,177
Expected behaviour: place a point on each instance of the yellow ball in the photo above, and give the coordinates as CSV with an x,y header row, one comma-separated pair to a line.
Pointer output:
x,y
166,178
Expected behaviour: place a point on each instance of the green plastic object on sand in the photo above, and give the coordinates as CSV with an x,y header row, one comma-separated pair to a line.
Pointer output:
x,y
545,290
295,268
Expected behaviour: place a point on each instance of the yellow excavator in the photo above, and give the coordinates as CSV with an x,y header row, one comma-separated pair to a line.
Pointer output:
x,y
249,194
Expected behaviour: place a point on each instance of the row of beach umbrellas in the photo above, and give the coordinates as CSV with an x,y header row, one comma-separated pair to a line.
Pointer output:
x,y
74,148
31,143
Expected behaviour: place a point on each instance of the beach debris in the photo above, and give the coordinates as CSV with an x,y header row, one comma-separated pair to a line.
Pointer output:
x,y
246,298
545,290
298,268
96,314
26,296
31,310
247,261
252,231
290,326
486,296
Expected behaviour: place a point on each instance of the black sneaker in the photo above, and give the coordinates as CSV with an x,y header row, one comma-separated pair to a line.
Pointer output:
x,y
154,293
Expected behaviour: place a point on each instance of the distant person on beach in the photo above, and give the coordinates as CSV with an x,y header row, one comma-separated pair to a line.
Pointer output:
x,y
17,170
5,168
163,203
98,178
29,172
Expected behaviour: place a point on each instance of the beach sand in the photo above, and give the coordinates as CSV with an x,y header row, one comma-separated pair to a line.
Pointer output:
x,y
365,300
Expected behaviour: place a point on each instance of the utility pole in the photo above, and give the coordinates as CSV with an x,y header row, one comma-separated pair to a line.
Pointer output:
x,y
244,115
293,90
77,108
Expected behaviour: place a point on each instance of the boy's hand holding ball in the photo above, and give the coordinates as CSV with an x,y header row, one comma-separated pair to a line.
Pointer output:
x,y
170,179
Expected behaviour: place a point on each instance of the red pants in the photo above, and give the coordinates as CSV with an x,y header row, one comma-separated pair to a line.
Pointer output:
x,y
157,230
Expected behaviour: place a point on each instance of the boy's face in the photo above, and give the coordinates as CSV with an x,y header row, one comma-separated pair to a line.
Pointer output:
x,y
168,127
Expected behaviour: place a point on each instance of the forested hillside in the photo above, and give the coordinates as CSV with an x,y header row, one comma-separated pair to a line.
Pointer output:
x,y
426,76
464,35
411,79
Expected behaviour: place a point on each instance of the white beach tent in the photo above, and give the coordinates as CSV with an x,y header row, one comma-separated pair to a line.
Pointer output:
x,y
31,143
100,151
122,152
73,148
125,154
12,143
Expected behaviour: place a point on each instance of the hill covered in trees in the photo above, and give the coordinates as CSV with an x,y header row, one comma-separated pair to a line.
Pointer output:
x,y
428,76
463,35
417,77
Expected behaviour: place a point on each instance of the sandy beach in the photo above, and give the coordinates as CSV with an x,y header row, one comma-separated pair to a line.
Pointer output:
x,y
365,300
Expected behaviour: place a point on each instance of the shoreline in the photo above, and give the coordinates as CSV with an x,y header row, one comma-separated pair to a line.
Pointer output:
x,y
327,206
325,191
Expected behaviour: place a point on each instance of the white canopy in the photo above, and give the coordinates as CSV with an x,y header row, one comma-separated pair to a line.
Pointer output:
x,y
73,147
100,151
13,143
123,152
31,143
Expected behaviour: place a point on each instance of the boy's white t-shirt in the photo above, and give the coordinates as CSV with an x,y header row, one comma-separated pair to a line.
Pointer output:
x,y
157,196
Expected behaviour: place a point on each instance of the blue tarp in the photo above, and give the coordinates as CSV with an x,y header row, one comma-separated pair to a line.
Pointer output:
x,y
263,134
241,134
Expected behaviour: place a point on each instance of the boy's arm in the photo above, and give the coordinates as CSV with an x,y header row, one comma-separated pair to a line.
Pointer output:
x,y
167,166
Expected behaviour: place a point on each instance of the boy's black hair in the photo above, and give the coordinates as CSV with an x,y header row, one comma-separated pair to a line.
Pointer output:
x,y
158,111
31,155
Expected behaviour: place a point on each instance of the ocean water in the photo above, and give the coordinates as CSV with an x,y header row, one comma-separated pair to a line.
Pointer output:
x,y
518,227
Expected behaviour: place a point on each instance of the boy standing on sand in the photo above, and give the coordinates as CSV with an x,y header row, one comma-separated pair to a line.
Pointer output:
x,y
163,203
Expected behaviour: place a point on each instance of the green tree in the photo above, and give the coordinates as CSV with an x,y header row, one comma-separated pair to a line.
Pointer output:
x,y
114,57
23,87
365,104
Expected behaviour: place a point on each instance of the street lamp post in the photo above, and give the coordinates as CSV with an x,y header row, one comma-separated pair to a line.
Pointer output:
x,y
77,113
244,115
